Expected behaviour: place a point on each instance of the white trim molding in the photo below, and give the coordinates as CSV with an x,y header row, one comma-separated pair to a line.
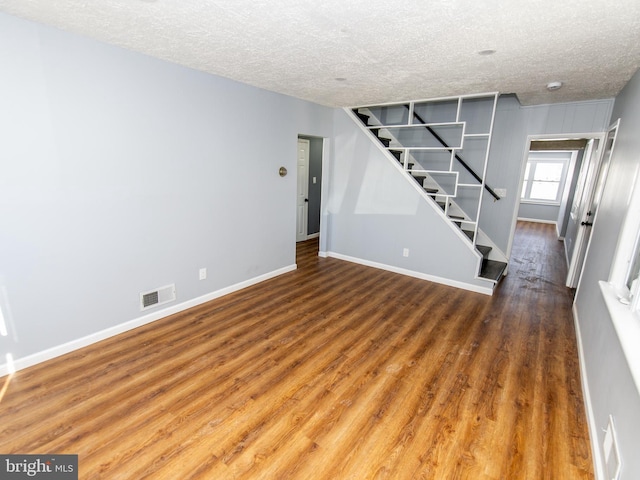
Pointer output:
x,y
411,273
591,421
537,220
39,357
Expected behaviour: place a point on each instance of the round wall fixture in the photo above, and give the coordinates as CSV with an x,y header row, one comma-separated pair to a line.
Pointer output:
x,y
282,172
551,86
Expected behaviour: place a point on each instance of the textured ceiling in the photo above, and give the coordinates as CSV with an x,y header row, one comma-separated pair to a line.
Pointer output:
x,y
356,52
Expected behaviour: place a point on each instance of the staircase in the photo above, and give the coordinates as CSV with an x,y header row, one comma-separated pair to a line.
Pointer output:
x,y
443,145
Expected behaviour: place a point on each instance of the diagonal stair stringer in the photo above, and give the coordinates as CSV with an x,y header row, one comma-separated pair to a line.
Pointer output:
x,y
489,258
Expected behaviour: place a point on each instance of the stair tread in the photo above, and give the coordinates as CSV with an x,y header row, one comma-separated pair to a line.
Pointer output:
x,y
493,270
363,118
483,249
468,233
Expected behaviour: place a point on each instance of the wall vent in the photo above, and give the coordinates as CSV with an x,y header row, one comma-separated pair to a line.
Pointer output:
x,y
157,297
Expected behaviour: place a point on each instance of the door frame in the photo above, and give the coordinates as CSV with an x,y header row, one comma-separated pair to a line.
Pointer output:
x,y
600,136
592,192
324,188
302,220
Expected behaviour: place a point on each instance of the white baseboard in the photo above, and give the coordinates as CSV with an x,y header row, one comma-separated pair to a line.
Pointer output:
x,y
591,421
536,220
410,273
30,360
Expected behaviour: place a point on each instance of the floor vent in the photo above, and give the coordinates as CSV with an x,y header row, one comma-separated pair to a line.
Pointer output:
x,y
157,297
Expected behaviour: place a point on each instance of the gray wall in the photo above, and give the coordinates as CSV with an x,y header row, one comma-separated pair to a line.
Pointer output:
x,y
539,211
513,124
122,173
315,171
611,386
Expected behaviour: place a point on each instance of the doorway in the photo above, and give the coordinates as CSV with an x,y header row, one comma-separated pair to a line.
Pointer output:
x,y
586,202
302,191
579,187
309,187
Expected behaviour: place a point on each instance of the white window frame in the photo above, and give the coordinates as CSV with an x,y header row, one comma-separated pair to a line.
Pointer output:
x,y
633,284
627,250
525,193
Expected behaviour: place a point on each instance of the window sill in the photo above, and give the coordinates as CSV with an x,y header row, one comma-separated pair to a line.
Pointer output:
x,y
627,326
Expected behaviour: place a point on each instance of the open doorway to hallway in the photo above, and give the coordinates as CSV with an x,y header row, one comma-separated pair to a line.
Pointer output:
x,y
569,206
537,257
309,189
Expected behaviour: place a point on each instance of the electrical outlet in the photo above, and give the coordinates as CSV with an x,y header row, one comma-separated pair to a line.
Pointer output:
x,y
203,273
405,252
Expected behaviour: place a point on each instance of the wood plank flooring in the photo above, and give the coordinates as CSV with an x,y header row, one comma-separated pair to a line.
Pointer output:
x,y
333,371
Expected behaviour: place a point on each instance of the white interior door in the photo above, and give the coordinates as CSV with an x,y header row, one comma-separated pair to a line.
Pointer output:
x,y
589,158
584,211
302,202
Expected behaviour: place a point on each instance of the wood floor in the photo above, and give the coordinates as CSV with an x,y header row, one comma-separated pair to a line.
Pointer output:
x,y
333,371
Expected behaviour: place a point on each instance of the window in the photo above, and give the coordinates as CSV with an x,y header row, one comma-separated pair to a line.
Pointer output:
x,y
544,178
625,271
624,277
